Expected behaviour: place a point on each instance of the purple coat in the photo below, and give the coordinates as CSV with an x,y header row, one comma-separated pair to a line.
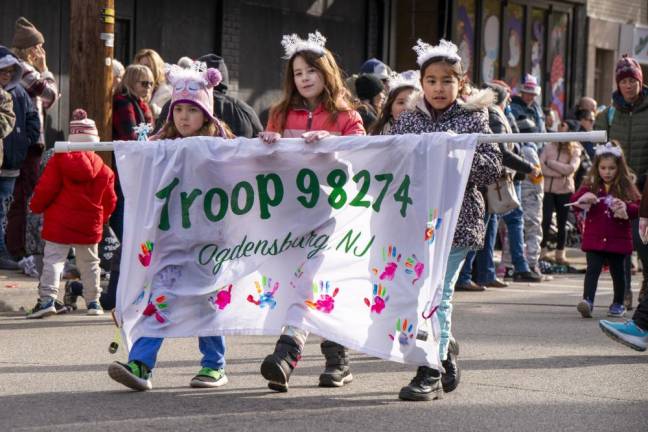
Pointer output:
x,y
603,232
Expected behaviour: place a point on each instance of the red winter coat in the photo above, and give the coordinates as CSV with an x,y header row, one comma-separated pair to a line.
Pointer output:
x,y
300,120
77,194
603,232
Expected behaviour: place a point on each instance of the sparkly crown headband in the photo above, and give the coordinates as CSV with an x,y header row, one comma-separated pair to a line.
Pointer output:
x,y
446,49
293,44
608,148
404,79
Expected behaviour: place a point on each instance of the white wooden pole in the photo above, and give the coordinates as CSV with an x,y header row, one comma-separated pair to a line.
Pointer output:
x,y
593,136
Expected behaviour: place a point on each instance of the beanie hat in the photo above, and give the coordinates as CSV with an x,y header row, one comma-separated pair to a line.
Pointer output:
x,y
217,62
530,85
194,86
26,34
375,67
82,129
368,86
627,67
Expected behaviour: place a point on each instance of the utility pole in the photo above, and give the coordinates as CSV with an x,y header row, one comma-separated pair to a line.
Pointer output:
x,y
92,32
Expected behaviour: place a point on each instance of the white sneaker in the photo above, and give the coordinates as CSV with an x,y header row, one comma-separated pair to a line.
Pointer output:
x,y
94,308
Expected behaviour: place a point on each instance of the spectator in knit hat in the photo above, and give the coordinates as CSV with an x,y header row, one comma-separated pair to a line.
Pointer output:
x,y
7,117
40,85
525,105
626,121
76,194
375,67
16,144
371,94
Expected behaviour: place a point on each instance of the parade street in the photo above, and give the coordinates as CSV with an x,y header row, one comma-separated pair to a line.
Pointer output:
x,y
529,363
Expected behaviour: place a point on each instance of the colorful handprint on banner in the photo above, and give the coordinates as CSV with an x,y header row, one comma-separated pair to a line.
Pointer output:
x,y
404,332
145,256
324,298
155,308
380,299
266,292
221,298
391,258
414,267
433,225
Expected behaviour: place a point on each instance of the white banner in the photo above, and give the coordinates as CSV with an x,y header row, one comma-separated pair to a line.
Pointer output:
x,y
347,238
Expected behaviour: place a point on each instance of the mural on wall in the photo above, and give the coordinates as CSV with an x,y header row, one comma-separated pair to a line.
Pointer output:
x,y
465,33
491,38
513,45
640,46
538,31
557,54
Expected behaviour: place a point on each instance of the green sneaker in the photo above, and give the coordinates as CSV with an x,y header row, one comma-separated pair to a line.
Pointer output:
x,y
208,377
135,375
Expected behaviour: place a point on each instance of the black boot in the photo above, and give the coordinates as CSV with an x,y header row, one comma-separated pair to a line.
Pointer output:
x,y
278,366
337,372
425,386
450,379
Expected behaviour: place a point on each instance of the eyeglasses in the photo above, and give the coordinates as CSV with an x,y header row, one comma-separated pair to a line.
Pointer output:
x,y
146,83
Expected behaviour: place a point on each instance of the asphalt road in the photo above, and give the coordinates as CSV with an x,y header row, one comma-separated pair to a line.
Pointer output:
x,y
529,363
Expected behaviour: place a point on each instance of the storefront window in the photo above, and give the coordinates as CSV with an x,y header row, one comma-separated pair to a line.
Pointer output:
x,y
491,40
538,33
465,33
557,53
513,60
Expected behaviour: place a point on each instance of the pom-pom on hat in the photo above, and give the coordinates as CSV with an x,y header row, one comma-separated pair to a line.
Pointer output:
x,y
194,85
446,50
26,35
293,44
530,85
628,67
82,129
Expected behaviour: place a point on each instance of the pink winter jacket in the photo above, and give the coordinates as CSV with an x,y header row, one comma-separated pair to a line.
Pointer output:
x,y
558,168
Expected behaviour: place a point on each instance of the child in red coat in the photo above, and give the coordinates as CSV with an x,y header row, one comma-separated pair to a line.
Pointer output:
x,y
610,200
76,194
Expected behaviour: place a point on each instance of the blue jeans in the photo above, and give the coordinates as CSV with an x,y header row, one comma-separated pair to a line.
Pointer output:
x,y
145,349
444,313
6,191
515,227
483,258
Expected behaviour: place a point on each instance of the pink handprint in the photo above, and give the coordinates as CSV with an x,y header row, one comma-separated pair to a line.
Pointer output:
x,y
325,299
145,256
222,298
379,299
415,267
392,258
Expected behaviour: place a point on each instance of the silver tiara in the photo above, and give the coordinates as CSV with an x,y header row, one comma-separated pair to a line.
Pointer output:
x,y
608,148
293,44
425,51
408,78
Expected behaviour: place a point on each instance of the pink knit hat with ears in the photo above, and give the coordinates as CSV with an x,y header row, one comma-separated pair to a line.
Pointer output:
x,y
194,86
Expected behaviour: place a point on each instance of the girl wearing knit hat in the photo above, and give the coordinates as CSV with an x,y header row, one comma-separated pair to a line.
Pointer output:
x,y
315,105
190,114
76,195
626,121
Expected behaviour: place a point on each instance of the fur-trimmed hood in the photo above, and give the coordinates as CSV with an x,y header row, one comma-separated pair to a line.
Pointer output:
x,y
479,99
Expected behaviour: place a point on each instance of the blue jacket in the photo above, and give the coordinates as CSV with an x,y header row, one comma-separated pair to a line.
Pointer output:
x,y
27,129
521,110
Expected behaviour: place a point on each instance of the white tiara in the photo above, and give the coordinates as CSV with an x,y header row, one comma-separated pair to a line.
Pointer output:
x,y
425,51
408,78
608,148
293,44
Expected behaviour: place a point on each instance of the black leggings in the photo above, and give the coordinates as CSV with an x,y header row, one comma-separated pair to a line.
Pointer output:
x,y
595,261
550,203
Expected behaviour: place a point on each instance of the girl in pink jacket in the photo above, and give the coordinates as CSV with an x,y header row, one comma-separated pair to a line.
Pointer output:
x,y
315,105
559,162
610,199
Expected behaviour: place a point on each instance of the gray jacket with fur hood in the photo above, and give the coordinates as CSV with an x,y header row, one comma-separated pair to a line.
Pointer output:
x,y
470,116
